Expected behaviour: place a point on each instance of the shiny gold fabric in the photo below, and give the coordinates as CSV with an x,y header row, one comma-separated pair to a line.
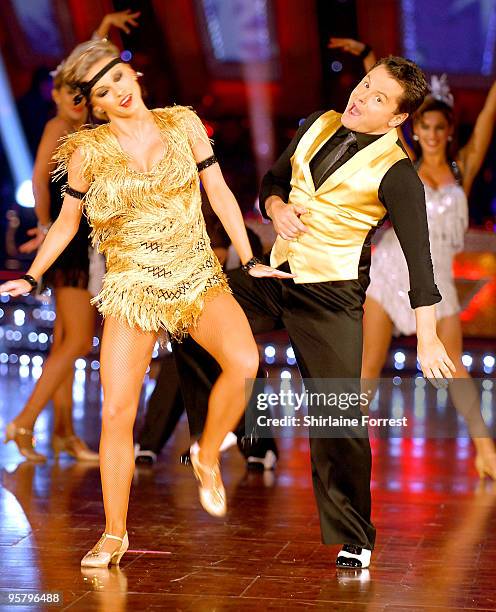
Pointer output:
x,y
149,225
342,210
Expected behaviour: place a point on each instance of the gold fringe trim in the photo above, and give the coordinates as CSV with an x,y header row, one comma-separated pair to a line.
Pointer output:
x,y
138,308
148,224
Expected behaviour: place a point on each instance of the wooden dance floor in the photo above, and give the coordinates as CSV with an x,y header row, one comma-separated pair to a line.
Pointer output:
x,y
436,546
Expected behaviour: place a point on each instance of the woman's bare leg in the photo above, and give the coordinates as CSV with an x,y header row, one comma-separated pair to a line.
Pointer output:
x,y
224,332
63,395
465,396
77,320
377,333
125,355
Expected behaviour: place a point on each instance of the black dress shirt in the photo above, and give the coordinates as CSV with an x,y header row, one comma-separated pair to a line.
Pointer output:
x,y
401,192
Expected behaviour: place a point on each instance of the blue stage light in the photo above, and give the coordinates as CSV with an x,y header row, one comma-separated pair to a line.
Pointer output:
x,y
126,55
270,351
14,143
489,361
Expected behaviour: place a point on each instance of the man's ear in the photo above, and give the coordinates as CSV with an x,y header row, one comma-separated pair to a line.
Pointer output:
x,y
397,120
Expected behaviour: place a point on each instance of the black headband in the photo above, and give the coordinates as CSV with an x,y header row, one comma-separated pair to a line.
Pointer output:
x,y
85,87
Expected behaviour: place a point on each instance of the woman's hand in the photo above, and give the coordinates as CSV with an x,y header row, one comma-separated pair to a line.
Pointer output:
x,y
16,287
349,45
434,361
262,271
35,243
123,20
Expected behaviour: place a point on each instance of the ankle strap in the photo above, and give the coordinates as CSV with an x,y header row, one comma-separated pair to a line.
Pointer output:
x,y
23,431
112,537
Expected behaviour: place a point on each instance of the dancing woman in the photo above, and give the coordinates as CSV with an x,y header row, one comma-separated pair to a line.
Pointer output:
x,y
137,179
448,176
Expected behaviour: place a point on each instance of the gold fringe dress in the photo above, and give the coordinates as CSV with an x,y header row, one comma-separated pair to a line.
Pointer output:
x,y
149,225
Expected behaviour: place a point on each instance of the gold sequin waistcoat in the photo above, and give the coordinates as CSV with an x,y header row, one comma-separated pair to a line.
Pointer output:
x,y
342,210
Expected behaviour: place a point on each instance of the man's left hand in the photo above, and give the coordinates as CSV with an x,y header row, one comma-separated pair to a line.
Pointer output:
x,y
434,361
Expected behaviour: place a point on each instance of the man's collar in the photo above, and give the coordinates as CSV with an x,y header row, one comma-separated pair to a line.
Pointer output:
x,y
363,140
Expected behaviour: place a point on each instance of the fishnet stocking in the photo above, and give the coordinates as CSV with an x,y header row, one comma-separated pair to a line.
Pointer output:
x,y
125,355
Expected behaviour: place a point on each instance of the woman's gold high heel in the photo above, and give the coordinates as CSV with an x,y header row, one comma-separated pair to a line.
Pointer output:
x,y
29,452
97,557
73,446
212,499
486,465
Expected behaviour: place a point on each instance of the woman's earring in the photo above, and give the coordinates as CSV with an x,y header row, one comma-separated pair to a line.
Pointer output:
x,y
450,138
415,137
138,75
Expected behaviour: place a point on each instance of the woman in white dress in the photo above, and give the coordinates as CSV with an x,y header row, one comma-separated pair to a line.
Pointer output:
x,y
448,177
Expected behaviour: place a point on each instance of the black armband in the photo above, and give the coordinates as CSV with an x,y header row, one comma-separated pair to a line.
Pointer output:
x,y
74,193
210,161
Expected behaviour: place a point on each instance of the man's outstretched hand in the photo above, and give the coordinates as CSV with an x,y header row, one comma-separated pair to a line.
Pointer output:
x,y
434,361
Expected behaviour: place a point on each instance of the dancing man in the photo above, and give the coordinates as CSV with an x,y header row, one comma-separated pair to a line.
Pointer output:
x,y
337,181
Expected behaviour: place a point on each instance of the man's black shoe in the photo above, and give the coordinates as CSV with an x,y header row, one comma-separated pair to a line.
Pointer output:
x,y
144,457
260,453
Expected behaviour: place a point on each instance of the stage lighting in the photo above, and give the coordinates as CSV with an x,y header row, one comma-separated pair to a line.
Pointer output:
x,y
19,317
14,143
467,360
270,351
24,194
489,361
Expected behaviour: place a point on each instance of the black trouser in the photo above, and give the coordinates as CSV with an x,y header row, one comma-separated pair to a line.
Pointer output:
x,y
324,323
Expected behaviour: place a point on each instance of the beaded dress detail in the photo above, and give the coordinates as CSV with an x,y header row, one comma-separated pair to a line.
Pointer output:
x,y
149,225
447,216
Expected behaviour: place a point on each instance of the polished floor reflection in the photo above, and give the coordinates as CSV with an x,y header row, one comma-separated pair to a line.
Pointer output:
x,y
436,547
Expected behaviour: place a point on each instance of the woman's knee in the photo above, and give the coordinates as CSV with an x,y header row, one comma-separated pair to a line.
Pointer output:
x,y
244,362
77,346
117,413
